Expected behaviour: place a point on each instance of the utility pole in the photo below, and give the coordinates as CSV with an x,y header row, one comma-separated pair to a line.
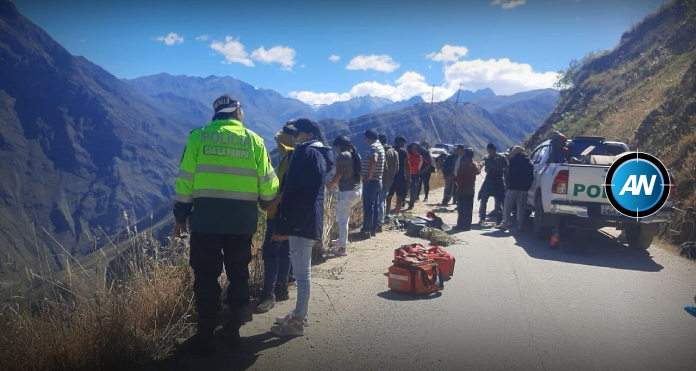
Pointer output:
x,y
430,114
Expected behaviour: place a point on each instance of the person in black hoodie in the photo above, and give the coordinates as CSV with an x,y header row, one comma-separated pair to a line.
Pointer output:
x,y
301,216
520,176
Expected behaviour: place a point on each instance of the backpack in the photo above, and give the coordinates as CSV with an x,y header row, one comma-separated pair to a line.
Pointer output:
x,y
414,274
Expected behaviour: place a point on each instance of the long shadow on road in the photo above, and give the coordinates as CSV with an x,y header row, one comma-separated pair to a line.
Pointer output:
x,y
227,358
593,248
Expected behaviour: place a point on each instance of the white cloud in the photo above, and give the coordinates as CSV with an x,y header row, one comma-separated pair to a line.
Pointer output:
x,y
381,63
449,53
313,98
171,39
233,51
334,58
509,4
202,38
277,54
407,86
502,75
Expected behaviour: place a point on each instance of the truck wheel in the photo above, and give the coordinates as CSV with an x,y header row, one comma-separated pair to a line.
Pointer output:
x,y
540,230
638,238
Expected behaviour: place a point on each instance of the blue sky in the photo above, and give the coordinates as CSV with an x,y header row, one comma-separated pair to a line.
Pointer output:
x,y
508,45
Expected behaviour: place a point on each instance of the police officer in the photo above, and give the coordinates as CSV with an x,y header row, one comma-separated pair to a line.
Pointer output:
x,y
225,174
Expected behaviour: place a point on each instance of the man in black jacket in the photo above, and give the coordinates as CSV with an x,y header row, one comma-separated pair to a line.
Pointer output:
x,y
520,178
449,171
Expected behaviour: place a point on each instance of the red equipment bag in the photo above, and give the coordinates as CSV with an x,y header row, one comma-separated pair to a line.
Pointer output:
x,y
444,260
415,274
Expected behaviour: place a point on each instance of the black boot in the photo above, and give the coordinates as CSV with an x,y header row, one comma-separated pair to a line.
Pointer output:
x,y
267,301
230,330
203,342
281,293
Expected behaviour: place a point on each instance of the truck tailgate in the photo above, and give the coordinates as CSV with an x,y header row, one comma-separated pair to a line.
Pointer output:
x,y
585,183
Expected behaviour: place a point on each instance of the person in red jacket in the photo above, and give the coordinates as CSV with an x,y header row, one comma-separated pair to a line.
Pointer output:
x,y
466,181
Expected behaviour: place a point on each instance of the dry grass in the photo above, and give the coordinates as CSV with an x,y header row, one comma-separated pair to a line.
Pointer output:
x,y
124,314
106,322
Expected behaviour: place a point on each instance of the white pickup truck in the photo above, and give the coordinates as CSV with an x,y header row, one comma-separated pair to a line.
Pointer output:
x,y
570,194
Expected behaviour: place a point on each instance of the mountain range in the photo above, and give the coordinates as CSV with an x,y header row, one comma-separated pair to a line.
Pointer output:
x,y
85,155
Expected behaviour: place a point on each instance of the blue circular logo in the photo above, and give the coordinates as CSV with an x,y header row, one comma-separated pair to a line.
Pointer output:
x,y
637,185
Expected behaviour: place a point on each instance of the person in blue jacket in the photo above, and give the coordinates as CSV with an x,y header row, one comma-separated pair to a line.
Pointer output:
x,y
301,216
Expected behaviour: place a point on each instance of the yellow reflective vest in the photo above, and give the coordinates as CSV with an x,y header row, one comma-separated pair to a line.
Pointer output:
x,y
225,173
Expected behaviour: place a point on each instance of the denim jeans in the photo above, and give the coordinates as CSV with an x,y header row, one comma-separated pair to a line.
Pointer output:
x,y
370,200
517,199
276,259
382,206
345,203
415,181
301,253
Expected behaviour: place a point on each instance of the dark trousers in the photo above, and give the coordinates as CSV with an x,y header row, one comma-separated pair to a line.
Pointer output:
x,y
465,209
371,205
424,184
276,259
209,252
415,181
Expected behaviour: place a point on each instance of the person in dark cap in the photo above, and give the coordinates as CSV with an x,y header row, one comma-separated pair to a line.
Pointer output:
x,y
467,170
221,208
496,166
301,214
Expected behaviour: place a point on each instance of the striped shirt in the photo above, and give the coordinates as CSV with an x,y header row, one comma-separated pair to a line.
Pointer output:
x,y
377,150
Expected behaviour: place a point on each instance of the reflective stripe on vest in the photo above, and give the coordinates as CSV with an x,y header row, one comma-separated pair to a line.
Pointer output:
x,y
187,199
216,169
185,175
229,195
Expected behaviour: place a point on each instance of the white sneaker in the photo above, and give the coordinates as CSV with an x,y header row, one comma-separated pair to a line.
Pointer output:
x,y
292,327
281,320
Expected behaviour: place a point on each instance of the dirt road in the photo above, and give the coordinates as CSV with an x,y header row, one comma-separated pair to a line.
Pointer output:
x,y
512,304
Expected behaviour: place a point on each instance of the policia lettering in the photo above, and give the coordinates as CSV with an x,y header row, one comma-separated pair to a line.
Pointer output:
x,y
226,138
592,191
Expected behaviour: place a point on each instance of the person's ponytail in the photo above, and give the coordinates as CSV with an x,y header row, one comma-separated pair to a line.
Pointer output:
x,y
357,162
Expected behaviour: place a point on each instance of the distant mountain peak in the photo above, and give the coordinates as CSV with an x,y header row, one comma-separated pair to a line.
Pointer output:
x,y
468,95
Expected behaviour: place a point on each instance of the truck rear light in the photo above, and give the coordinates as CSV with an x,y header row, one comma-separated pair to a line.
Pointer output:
x,y
560,183
672,189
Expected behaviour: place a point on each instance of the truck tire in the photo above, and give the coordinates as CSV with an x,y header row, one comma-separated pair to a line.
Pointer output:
x,y
541,231
638,237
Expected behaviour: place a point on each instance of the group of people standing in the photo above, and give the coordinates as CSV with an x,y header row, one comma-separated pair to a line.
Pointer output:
x,y
226,174
507,181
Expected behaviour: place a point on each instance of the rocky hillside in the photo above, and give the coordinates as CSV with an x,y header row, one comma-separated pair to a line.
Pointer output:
x,y
78,147
643,93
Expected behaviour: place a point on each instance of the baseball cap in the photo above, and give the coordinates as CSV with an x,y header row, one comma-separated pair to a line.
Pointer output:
x,y
468,152
459,146
303,125
226,103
